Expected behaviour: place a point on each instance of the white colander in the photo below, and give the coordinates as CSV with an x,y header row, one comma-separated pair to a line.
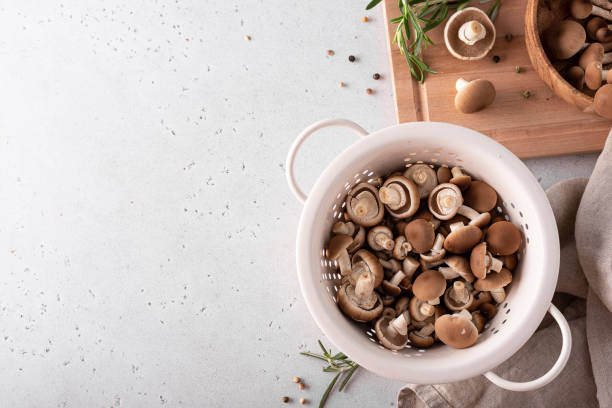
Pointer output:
x,y
524,201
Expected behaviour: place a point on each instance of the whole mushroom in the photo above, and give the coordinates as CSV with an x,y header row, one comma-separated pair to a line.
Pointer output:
x,y
424,177
420,310
481,261
337,251
495,283
402,247
469,34
595,74
564,40
437,251
462,238
602,102
457,266
363,205
393,333
380,238
462,180
365,261
503,238
473,96
422,338
360,302
429,286
458,296
480,196
456,331
581,9
420,234
400,196
478,219
444,201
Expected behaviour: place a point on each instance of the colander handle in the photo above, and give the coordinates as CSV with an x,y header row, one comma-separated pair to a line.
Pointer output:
x,y
297,191
556,369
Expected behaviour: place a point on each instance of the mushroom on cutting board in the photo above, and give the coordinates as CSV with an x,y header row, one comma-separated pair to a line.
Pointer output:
x,y
429,286
469,34
495,283
595,74
422,338
462,238
420,234
473,96
575,76
424,177
458,296
481,261
460,179
363,205
444,201
360,302
503,238
456,331
393,333
337,251
380,238
564,40
581,9
603,101
480,196
400,196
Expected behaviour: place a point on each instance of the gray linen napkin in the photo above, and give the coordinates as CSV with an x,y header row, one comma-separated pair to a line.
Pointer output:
x,y
583,210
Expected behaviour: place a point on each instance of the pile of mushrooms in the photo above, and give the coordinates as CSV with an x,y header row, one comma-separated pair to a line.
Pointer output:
x,y
424,256
579,47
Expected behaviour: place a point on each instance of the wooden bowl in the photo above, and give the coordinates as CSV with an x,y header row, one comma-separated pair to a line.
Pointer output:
x,y
540,15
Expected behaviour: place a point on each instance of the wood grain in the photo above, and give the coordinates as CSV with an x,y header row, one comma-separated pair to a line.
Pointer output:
x,y
542,125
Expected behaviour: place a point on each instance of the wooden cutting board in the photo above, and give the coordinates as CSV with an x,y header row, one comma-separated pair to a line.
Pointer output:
x,y
542,125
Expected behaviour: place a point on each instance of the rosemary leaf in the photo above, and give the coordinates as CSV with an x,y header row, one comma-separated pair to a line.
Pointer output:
x,y
328,390
347,377
372,4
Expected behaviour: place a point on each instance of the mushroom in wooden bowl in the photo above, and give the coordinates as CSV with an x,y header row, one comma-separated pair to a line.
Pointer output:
x,y
556,41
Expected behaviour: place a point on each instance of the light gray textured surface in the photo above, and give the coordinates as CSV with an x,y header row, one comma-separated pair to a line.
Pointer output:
x,y
146,230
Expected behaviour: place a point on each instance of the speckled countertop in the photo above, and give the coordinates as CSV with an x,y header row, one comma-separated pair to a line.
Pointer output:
x,y
146,229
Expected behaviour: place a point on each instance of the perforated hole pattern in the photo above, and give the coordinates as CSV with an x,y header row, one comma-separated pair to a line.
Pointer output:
x,y
330,278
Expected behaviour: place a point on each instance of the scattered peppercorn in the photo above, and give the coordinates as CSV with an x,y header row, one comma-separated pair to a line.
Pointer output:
x,y
364,19
296,379
517,69
247,37
508,37
330,52
302,401
376,76
369,91
526,94
496,59
301,386
340,84
352,58
285,399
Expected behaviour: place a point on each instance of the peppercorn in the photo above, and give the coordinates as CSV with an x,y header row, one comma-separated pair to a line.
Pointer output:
x,y
340,84
301,386
369,91
496,59
376,76
302,401
526,94
364,19
352,58
330,52
296,379
508,37
247,37
285,399
517,69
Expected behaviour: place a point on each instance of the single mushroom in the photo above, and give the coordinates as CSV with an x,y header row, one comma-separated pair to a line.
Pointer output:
x,y
462,238
478,219
429,286
598,29
564,39
488,310
469,34
581,9
495,283
391,287
456,331
420,234
401,305
360,302
364,260
444,174
393,333
503,238
337,251
479,299
462,180
480,196
437,251
458,296
595,74
460,266
602,103
444,201
400,196
423,176
473,96
479,321
401,248
422,338
380,238
420,310
594,52
481,261
575,77
363,205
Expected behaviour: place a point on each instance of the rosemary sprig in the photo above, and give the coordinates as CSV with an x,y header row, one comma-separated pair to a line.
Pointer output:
x,y
418,17
338,363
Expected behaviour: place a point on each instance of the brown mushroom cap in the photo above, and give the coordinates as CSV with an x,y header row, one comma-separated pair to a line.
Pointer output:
x,y
352,309
460,49
593,53
580,9
575,76
488,310
423,176
410,192
603,101
372,263
592,75
444,174
480,196
479,299
563,40
593,26
420,234
479,321
474,96
374,214
388,336
462,266
429,285
478,260
462,180
503,238
494,281
444,201
456,331
338,244
510,261
420,341
462,239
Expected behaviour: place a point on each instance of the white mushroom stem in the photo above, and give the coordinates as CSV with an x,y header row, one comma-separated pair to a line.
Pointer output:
x,y
474,216
498,295
472,32
397,278
364,285
393,195
400,324
438,244
347,228
448,272
494,264
426,309
426,330
363,203
458,293
598,11
344,263
428,265
435,223
384,241
464,314
456,225
434,302
410,265
605,4
456,171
